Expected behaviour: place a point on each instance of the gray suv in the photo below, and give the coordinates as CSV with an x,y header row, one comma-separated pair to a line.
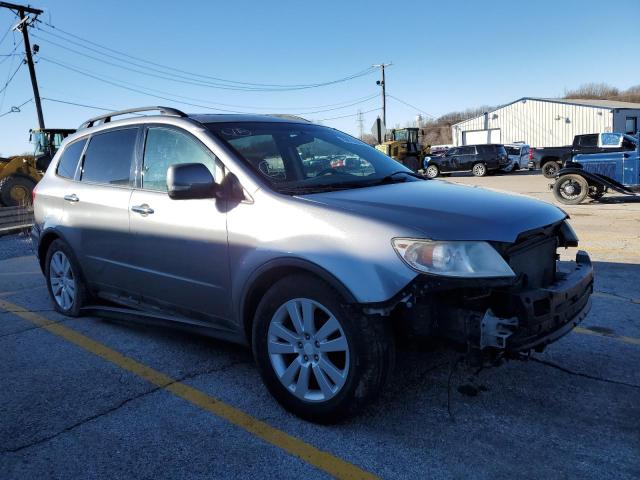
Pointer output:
x,y
255,229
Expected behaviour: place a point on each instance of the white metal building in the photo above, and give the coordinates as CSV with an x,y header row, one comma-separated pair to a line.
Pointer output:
x,y
547,122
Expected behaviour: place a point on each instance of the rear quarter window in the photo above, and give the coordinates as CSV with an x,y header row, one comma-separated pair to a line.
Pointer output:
x,y
109,157
69,159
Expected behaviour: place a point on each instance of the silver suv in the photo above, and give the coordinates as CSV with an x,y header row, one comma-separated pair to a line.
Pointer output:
x,y
303,242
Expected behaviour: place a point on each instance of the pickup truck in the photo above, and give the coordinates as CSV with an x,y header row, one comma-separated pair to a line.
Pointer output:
x,y
551,159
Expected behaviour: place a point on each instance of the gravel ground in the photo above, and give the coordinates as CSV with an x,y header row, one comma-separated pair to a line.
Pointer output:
x,y
15,245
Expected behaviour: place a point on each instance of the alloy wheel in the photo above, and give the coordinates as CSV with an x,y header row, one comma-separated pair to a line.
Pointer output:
x,y
432,171
479,169
308,350
63,284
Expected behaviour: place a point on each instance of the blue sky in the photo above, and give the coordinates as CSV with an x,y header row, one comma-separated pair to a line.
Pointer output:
x,y
446,55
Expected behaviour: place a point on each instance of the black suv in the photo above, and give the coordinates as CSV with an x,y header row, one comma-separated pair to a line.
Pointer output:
x,y
479,159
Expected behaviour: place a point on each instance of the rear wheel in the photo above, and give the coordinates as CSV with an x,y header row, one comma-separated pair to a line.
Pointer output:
x,y
319,359
550,169
479,170
64,280
432,171
16,191
570,189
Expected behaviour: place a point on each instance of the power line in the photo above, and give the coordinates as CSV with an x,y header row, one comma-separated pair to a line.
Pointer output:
x,y
181,99
227,84
412,106
6,84
346,116
66,102
15,109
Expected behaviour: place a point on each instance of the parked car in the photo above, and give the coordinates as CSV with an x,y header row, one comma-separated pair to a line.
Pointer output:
x,y
518,154
615,167
175,219
551,159
478,159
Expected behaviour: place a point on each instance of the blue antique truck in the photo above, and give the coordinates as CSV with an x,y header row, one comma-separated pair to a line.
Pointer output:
x,y
616,167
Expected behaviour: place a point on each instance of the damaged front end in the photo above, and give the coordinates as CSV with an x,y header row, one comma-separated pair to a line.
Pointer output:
x,y
503,316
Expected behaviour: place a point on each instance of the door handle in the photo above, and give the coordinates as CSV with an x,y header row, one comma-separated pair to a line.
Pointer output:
x,y
143,209
72,198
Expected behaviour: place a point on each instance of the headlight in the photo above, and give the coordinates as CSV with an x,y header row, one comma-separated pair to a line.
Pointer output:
x,y
452,259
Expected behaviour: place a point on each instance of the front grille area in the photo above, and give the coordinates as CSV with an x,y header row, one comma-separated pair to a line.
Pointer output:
x,y
534,261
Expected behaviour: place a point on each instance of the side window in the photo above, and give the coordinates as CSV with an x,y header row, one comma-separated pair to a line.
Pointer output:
x,y
108,157
165,147
589,141
70,157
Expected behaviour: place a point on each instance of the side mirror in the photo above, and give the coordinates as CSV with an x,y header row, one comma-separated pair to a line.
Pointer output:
x,y
186,181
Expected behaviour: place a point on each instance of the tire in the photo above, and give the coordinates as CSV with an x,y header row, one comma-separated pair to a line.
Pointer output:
x,y
570,189
16,191
365,361
479,170
550,169
432,171
411,163
61,267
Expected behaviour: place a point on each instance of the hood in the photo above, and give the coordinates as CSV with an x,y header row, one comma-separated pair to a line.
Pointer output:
x,y
443,211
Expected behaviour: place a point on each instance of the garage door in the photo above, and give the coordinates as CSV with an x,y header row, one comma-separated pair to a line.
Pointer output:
x,y
475,137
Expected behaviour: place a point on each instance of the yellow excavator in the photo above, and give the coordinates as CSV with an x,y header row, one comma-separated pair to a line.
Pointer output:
x,y
403,146
19,174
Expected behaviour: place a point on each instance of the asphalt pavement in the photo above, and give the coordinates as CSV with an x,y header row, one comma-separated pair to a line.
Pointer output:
x,y
96,398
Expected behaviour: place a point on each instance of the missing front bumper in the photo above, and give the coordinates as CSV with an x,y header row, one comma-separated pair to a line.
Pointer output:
x,y
504,317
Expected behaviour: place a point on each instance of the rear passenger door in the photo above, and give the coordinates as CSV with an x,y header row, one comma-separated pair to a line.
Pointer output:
x,y
466,158
179,247
98,207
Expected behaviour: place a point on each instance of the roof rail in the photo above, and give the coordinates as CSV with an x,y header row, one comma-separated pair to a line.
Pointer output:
x,y
106,118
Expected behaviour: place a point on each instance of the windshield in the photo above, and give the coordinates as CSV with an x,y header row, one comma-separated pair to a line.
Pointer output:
x,y
401,135
298,157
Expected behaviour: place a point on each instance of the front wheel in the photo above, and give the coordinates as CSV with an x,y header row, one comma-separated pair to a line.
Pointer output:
x,y
432,171
570,189
320,359
479,170
550,169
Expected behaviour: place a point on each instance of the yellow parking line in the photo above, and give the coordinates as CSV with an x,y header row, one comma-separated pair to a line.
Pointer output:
x,y
622,338
320,459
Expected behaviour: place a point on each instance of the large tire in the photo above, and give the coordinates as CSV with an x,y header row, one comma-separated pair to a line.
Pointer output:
x,y
479,170
16,191
432,171
571,189
65,282
412,163
296,359
550,169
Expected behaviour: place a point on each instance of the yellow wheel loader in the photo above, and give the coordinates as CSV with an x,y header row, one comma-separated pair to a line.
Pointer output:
x,y
404,147
19,174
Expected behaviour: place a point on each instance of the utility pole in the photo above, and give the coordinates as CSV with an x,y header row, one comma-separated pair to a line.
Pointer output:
x,y
384,94
21,11
360,121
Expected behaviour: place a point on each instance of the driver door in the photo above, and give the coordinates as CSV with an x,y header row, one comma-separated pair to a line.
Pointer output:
x,y
179,247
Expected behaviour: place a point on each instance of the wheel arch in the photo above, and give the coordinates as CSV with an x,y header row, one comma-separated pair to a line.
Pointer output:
x,y
46,239
266,275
